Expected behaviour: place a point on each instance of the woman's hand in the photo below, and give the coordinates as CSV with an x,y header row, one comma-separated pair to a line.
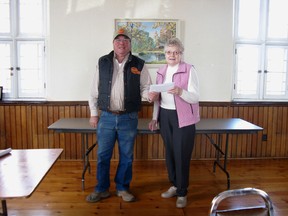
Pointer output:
x,y
176,91
94,121
153,96
153,125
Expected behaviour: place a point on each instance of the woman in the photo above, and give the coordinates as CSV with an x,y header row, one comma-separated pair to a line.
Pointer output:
x,y
177,111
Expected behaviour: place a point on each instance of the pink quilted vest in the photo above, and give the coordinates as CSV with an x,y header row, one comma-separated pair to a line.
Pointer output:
x,y
188,114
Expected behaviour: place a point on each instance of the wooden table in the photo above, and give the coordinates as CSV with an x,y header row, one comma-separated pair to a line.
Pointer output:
x,y
22,171
220,127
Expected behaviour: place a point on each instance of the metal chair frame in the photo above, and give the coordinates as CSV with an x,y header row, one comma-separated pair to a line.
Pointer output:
x,y
241,192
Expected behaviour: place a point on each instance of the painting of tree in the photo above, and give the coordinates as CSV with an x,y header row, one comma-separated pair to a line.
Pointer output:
x,y
149,37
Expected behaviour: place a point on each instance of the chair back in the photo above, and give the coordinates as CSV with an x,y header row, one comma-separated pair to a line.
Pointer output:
x,y
246,210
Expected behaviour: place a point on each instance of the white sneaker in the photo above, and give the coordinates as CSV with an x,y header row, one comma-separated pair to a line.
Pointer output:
x,y
171,192
181,202
126,196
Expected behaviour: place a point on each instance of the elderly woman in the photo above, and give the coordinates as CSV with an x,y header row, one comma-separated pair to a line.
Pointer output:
x,y
177,112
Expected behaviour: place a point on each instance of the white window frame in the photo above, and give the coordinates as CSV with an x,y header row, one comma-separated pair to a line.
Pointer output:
x,y
15,38
264,43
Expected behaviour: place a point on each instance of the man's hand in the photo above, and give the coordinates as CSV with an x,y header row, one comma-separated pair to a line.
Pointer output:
x,y
94,121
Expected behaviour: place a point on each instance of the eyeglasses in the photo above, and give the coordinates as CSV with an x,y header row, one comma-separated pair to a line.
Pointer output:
x,y
122,40
176,53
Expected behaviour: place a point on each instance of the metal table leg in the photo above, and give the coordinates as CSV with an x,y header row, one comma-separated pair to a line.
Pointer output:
x,y
4,208
85,151
217,162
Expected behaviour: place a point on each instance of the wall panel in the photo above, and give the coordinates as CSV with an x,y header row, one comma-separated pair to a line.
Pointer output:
x,y
23,125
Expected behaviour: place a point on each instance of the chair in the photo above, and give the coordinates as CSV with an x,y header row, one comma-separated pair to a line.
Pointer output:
x,y
246,210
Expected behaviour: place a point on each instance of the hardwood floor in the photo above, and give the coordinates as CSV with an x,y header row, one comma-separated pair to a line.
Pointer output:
x,y
60,193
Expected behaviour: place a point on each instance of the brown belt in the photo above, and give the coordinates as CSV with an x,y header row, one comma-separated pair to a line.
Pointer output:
x,y
116,112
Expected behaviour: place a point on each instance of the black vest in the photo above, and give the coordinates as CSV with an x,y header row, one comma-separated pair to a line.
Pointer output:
x,y
132,71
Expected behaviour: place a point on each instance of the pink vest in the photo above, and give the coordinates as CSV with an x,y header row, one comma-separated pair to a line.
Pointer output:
x,y
188,114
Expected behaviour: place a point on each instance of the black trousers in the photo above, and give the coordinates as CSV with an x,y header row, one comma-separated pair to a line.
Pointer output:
x,y
179,143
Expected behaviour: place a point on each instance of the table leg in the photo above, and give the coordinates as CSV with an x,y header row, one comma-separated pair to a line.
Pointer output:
x,y
219,150
4,208
217,161
86,162
85,151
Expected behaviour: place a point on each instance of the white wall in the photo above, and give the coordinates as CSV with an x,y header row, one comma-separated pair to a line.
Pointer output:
x,y
80,31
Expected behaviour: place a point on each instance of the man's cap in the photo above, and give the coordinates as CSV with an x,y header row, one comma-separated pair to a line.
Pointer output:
x,y
122,31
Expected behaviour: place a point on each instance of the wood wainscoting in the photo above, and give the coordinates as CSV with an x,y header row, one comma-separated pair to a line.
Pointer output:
x,y
23,125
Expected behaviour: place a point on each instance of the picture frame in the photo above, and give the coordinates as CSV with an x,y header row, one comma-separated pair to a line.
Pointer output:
x,y
1,92
149,37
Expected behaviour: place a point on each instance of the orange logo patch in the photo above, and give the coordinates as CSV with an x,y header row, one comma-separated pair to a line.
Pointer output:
x,y
134,70
121,31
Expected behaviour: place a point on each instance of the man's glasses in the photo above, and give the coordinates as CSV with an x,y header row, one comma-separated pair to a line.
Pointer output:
x,y
117,40
176,53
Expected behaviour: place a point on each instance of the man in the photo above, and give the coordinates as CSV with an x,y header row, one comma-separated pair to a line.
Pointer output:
x,y
121,79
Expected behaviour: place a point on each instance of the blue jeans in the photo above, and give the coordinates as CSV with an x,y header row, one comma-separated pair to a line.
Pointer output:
x,y
112,128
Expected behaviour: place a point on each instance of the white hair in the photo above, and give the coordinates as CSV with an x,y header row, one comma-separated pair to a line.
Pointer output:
x,y
174,42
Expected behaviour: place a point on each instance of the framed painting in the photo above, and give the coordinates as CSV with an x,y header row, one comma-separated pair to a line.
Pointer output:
x,y
149,37
1,92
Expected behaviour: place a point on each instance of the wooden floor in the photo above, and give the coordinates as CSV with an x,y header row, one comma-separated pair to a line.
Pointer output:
x,y
60,192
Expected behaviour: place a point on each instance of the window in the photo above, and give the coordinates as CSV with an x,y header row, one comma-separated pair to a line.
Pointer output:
x,y
261,50
22,48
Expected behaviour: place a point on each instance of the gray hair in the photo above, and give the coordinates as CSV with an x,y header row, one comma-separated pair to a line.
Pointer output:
x,y
174,42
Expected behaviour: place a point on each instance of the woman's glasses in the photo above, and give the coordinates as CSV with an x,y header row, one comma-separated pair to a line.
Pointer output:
x,y
175,53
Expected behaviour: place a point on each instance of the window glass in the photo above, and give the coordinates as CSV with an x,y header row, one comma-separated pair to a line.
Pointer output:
x,y
5,66
31,17
4,16
248,68
30,72
248,19
276,71
278,19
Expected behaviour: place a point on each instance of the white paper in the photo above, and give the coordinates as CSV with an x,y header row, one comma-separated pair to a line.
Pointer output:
x,y
5,151
161,87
